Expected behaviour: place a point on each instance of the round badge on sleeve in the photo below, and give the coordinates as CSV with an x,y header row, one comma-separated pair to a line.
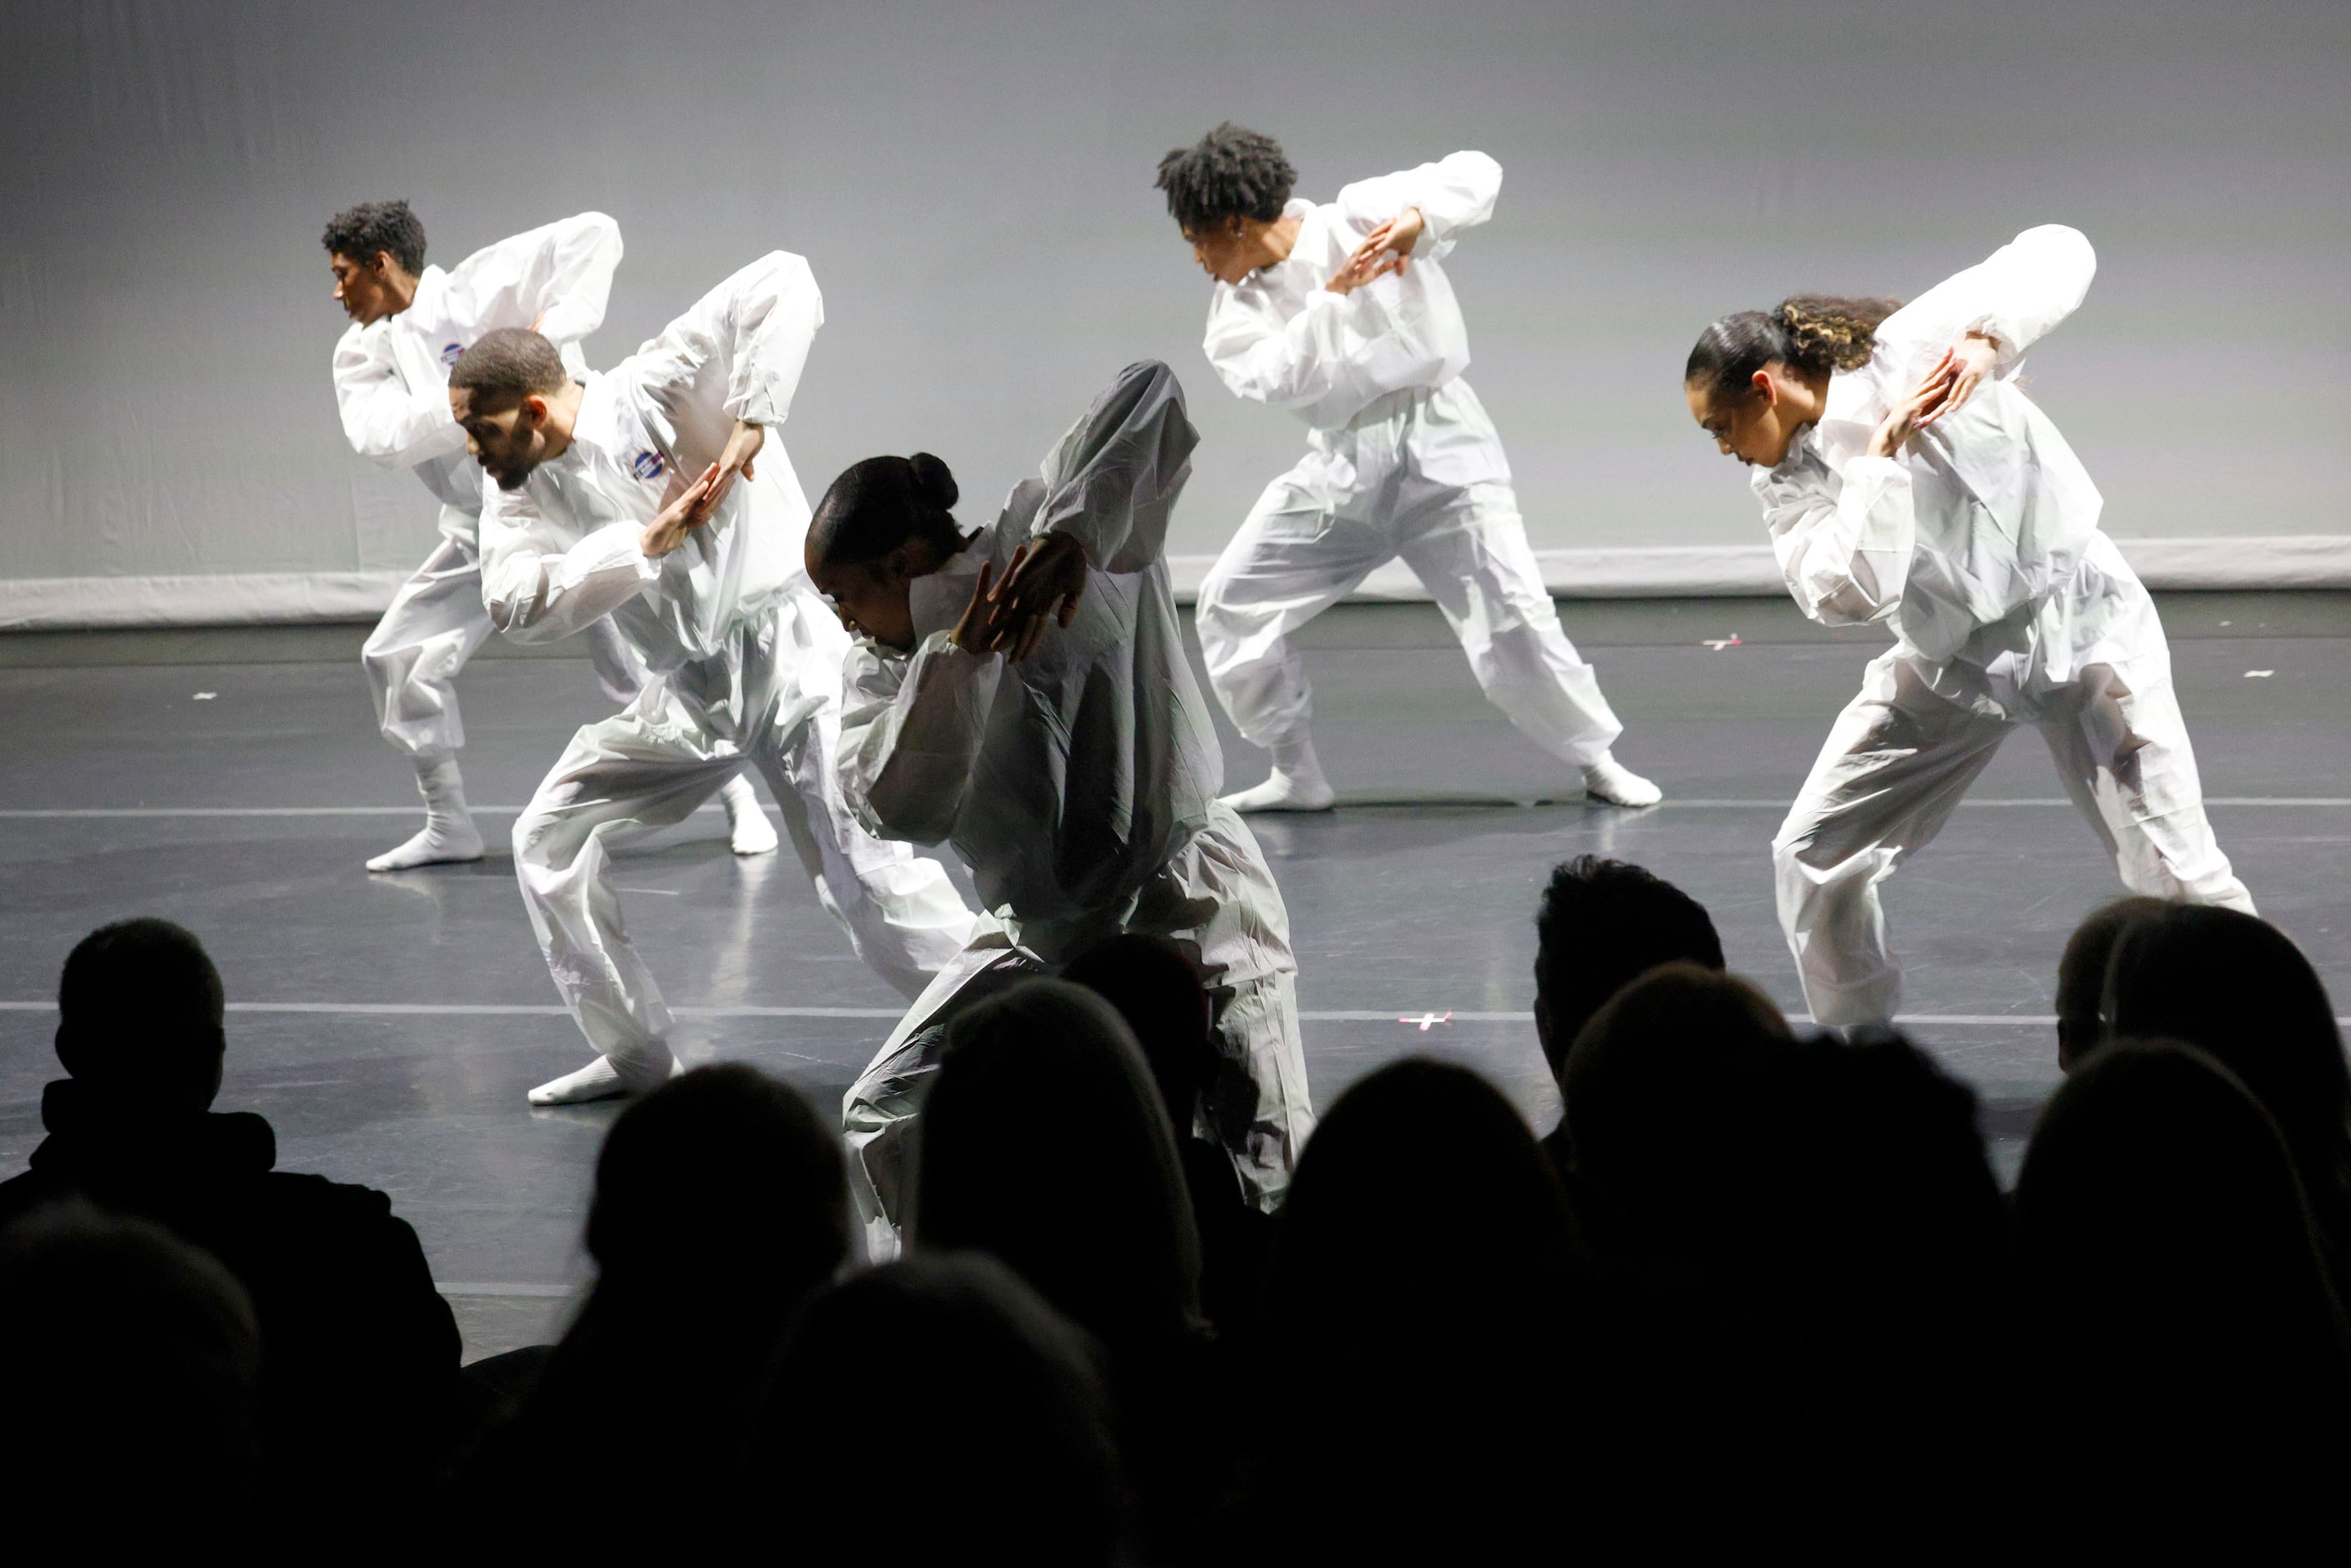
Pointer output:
x,y
647,465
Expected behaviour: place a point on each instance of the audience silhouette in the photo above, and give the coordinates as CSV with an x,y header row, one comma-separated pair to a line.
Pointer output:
x,y
1755,1293
359,1371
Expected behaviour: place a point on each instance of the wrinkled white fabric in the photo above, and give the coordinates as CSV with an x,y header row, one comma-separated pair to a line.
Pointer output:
x,y
746,658
1401,461
1080,787
1979,546
391,385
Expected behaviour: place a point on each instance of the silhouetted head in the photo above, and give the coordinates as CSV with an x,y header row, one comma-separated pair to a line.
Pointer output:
x,y
1651,1060
1754,379
1043,1141
510,394
884,523
2082,974
2193,1356
2237,987
141,1018
131,1423
375,250
1224,191
1603,924
1420,1171
1156,987
1000,1395
723,1189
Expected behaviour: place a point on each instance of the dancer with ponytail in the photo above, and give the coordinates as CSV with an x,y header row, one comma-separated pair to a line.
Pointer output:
x,y
1907,481
1022,694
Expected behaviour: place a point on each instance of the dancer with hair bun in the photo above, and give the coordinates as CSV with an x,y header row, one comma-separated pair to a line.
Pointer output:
x,y
1907,481
1341,314
1022,694
653,495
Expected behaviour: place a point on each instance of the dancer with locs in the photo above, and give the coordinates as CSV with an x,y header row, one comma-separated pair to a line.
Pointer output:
x,y
1341,314
592,515
409,323
1909,481
1022,694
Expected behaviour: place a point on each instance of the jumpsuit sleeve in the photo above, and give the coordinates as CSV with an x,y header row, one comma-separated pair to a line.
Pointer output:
x,y
2015,297
1112,481
384,422
741,346
555,278
537,591
1454,193
1314,359
910,732
1844,552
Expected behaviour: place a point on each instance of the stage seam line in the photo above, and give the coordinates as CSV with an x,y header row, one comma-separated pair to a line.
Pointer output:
x,y
35,813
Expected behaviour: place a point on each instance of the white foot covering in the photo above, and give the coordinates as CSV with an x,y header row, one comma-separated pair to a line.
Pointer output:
x,y
753,833
449,832
600,1079
1610,781
1297,783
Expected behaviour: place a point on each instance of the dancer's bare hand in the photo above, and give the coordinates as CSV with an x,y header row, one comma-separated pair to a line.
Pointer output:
x,y
975,632
1970,360
733,462
1903,421
687,511
1045,577
1383,251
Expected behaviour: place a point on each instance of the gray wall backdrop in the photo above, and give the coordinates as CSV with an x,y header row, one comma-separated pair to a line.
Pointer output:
x,y
972,185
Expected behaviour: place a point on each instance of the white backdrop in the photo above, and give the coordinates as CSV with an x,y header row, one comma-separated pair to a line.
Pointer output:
x,y
971,182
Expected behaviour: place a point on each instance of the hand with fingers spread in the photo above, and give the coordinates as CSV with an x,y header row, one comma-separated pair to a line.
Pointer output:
x,y
1385,250
1968,362
736,460
687,511
1041,589
1903,421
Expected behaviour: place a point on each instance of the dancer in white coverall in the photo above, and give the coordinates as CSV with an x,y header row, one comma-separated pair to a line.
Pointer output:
x,y
1909,481
636,497
1023,695
1341,314
410,322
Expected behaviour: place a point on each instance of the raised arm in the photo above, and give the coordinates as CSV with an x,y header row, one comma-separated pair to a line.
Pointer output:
x,y
1844,551
1453,193
555,279
1112,481
910,734
736,355
2014,298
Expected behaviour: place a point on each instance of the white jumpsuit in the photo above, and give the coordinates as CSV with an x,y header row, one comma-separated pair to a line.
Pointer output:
x,y
392,381
1080,786
1401,460
746,658
1980,546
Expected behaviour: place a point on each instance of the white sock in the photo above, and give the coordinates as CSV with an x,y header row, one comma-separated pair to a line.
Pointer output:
x,y
1295,784
449,832
602,1079
746,820
1606,778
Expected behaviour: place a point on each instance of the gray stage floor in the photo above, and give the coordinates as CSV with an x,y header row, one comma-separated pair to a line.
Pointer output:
x,y
389,1025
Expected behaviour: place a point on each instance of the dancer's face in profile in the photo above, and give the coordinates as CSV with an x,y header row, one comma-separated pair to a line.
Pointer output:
x,y
367,290
1228,251
1756,429
874,598
508,439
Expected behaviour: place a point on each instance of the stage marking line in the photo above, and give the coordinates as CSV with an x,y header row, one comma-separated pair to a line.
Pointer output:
x,y
1348,1015
1995,803
497,1287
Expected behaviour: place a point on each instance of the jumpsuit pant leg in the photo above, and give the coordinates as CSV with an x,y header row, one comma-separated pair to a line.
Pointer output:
x,y
877,1113
1470,551
1218,898
1295,555
435,625
648,767
618,671
2128,763
1893,769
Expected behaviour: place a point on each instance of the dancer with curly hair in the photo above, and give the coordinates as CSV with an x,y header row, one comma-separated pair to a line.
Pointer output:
x,y
1341,314
1907,481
